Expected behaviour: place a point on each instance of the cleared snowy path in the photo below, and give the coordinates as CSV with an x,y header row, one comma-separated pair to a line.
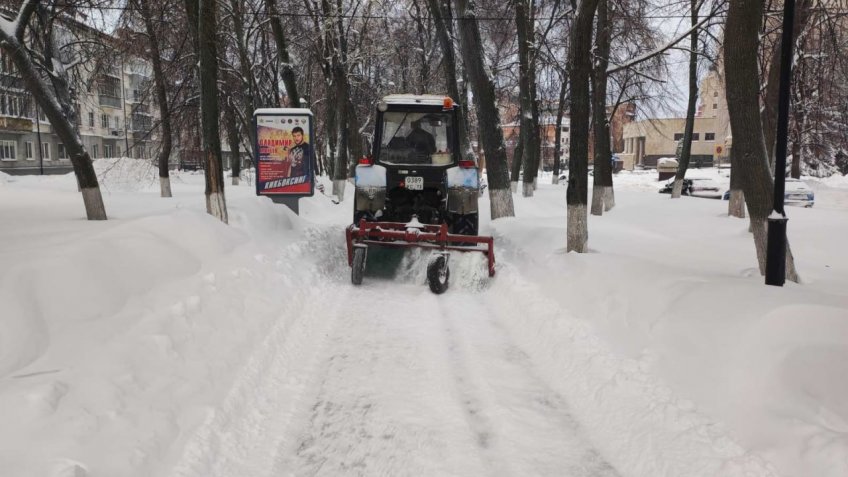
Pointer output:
x,y
389,379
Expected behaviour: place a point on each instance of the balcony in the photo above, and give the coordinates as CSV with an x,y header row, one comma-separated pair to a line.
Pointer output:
x,y
111,101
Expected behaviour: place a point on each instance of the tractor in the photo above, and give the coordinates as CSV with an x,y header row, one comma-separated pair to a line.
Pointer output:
x,y
415,189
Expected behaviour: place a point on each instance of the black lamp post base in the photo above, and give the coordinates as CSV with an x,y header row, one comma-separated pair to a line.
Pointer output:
x,y
776,252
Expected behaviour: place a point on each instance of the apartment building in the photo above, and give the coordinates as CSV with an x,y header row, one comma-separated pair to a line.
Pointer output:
x,y
115,116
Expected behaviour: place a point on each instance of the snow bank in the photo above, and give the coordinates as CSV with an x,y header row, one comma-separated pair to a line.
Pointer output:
x,y
673,286
116,336
125,174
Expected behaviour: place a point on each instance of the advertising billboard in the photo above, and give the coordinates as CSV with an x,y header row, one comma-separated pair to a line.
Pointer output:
x,y
285,159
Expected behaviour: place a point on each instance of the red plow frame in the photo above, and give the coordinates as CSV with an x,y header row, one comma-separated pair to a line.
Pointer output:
x,y
400,235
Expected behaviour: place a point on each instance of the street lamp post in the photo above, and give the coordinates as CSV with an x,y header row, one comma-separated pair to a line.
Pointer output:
x,y
776,250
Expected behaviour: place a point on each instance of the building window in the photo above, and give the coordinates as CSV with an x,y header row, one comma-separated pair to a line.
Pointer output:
x,y
119,151
95,151
45,150
62,153
104,121
696,136
91,119
715,105
117,122
107,150
8,150
678,136
28,150
709,136
715,94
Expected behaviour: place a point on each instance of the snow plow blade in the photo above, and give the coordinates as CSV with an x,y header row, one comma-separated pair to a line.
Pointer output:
x,y
414,234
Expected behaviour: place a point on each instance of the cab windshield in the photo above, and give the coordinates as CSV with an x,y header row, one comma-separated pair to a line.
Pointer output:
x,y
416,138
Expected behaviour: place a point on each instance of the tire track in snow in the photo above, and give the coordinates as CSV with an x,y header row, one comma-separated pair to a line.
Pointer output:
x,y
524,426
382,400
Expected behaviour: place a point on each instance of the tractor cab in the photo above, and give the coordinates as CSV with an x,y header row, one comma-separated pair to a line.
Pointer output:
x,y
415,167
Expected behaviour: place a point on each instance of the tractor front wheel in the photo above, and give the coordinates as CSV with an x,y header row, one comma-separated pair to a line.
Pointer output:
x,y
358,267
438,274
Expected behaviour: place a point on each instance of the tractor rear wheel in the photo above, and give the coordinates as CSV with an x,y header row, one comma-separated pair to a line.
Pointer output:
x,y
438,274
464,224
358,268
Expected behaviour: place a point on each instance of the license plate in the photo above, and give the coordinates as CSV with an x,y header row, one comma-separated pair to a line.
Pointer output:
x,y
414,183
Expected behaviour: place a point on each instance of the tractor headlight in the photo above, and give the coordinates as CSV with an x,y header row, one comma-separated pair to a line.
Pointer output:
x,y
382,106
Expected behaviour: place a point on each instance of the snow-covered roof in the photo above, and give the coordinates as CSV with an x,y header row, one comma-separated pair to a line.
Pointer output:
x,y
428,99
273,111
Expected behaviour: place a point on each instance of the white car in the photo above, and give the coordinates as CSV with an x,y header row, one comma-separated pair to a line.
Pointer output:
x,y
798,193
704,187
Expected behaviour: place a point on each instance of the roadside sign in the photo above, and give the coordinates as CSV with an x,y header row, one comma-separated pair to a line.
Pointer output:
x,y
285,158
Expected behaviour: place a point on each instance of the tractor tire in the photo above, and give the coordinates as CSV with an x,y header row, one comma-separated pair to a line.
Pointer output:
x,y
438,275
358,268
464,224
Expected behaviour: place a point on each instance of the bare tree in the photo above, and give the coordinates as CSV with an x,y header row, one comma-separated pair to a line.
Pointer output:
x,y
152,29
749,149
488,116
578,161
602,192
206,12
46,76
686,149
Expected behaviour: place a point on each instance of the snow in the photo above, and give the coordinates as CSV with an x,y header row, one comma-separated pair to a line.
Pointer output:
x,y
163,342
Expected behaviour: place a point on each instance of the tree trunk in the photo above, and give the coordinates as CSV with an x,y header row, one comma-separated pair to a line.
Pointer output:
x,y
578,168
517,159
488,116
749,149
558,135
286,69
161,97
58,108
686,152
231,124
602,195
246,71
216,203
736,204
526,91
443,18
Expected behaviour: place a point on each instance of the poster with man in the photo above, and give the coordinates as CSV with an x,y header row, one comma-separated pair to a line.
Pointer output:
x,y
285,159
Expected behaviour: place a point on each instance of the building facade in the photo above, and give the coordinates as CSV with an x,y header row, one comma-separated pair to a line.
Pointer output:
x,y
649,140
115,117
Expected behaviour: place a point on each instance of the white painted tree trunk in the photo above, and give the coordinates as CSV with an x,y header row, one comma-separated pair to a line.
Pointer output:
x,y
236,180
578,230
555,179
736,205
597,200
165,187
216,205
678,189
527,189
760,230
513,186
93,202
501,203
339,188
609,198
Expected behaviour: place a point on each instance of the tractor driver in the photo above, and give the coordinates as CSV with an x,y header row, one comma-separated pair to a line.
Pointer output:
x,y
421,140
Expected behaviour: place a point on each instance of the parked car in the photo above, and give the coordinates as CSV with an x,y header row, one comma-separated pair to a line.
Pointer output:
x,y
696,187
797,192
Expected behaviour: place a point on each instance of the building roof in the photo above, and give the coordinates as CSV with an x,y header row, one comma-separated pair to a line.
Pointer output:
x,y
427,99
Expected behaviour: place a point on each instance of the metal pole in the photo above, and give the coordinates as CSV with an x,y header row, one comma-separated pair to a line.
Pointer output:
x,y
38,137
776,251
